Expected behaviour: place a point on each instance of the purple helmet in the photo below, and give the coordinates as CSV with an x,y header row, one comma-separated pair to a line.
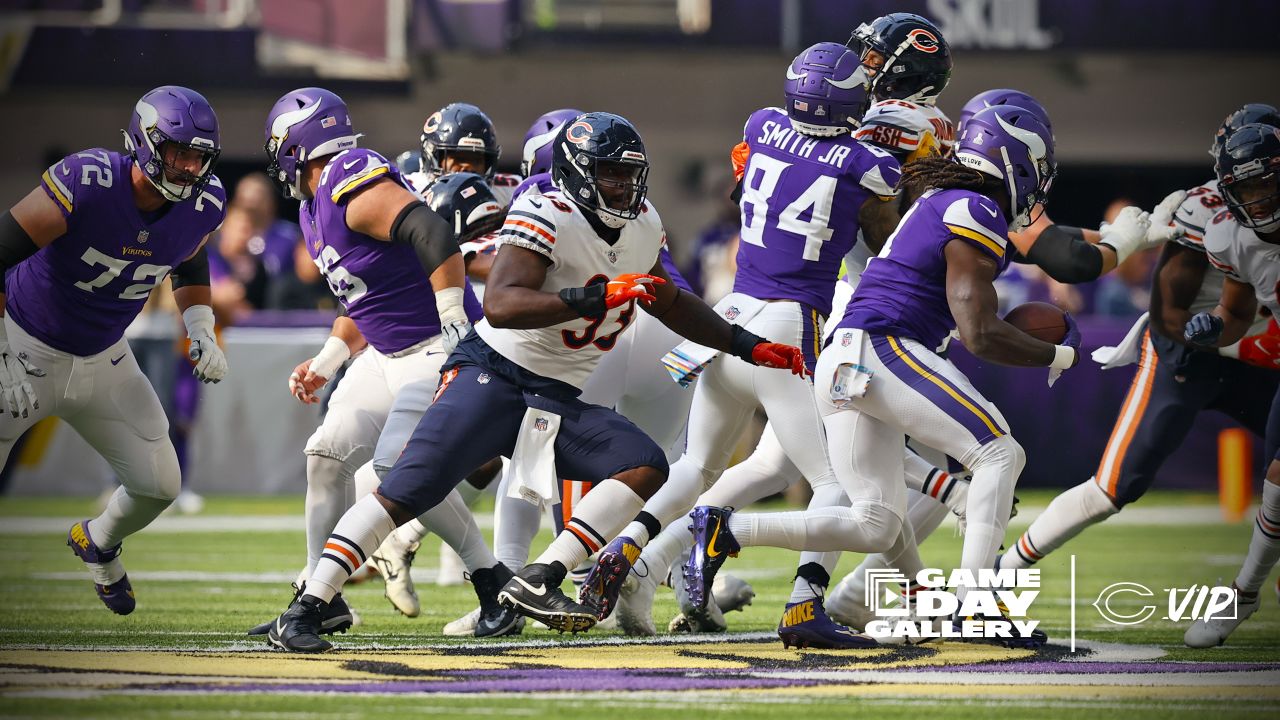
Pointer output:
x,y
1009,143
538,142
1002,96
173,114
303,125
826,90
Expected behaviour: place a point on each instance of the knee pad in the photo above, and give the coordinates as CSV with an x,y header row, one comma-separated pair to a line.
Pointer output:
x,y
883,526
1004,450
166,475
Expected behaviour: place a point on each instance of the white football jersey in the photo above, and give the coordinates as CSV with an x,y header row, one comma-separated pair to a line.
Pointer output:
x,y
1193,215
503,185
554,227
1239,253
914,129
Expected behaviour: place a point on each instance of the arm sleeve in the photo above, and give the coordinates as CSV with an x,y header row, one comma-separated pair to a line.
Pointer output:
x,y
15,245
427,233
1065,255
192,271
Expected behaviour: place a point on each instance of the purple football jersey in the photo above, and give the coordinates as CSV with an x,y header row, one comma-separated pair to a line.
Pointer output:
x,y
800,202
381,284
904,290
541,183
80,292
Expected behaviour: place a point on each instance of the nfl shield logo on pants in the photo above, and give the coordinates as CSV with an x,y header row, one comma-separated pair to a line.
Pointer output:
x,y
732,313
540,424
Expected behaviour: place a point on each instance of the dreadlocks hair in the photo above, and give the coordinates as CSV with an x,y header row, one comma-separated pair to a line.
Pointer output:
x,y
943,174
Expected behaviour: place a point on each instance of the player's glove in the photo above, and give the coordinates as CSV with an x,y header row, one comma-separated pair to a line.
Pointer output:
x,y
1163,228
595,300
311,375
1067,354
211,363
454,324
1127,234
1262,350
1203,329
756,350
15,369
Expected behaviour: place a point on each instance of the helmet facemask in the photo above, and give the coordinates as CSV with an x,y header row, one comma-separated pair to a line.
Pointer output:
x,y
174,183
1254,199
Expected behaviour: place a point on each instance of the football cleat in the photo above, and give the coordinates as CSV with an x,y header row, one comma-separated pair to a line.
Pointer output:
x,y
494,620
465,626
806,625
635,606
336,617
731,593
604,581
393,561
298,629
1212,633
713,543
693,619
845,603
117,595
535,592
1038,638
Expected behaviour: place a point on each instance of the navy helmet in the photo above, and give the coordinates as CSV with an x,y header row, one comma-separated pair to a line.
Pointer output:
x,y
1247,167
917,59
466,202
459,127
600,144
1249,113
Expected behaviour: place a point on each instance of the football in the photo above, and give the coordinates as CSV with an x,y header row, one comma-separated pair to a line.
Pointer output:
x,y
1041,321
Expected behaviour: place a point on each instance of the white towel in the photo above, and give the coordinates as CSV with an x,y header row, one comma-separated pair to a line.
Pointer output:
x,y
534,459
689,359
1127,352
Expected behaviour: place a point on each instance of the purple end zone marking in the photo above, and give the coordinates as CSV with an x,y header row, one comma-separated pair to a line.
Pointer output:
x,y
516,681
1100,668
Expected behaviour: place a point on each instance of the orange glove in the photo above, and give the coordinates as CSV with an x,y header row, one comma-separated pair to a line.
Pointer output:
x,y
1263,349
630,286
782,357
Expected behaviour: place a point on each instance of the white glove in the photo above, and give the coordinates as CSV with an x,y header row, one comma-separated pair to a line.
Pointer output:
x,y
1163,228
1127,234
310,376
19,395
211,363
454,324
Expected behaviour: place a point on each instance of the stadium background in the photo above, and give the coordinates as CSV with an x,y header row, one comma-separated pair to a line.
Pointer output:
x,y
1135,90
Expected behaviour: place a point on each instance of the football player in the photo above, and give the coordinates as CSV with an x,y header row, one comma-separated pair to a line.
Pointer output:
x,y
566,283
82,253
1242,242
394,266
459,137
1174,382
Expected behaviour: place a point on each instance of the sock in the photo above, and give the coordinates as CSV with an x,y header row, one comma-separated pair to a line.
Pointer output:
x,y
597,519
125,514
359,532
662,551
329,486
366,479
870,527
515,523
1264,548
468,492
826,494
411,532
1067,516
453,522
996,468
645,526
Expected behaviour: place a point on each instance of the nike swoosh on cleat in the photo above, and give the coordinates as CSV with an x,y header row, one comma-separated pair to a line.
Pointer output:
x,y
279,628
539,590
711,546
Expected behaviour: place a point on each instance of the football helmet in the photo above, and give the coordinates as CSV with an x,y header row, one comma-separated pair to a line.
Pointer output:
x,y
916,58
1008,143
459,127
826,90
1247,167
1003,96
465,200
409,162
177,115
1249,113
600,164
536,157
305,124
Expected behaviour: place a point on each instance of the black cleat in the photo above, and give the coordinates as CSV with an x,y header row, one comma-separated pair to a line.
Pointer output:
x,y
298,629
336,617
495,620
535,592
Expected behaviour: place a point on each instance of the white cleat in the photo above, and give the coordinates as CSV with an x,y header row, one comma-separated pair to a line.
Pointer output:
x,y
635,606
845,603
394,560
464,626
731,593
1212,633
452,570
691,620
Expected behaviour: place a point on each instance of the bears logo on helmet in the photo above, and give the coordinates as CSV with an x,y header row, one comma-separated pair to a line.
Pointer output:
x,y
432,123
923,40
579,133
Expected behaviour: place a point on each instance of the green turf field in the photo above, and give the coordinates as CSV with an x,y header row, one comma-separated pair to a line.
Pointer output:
x,y
201,581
